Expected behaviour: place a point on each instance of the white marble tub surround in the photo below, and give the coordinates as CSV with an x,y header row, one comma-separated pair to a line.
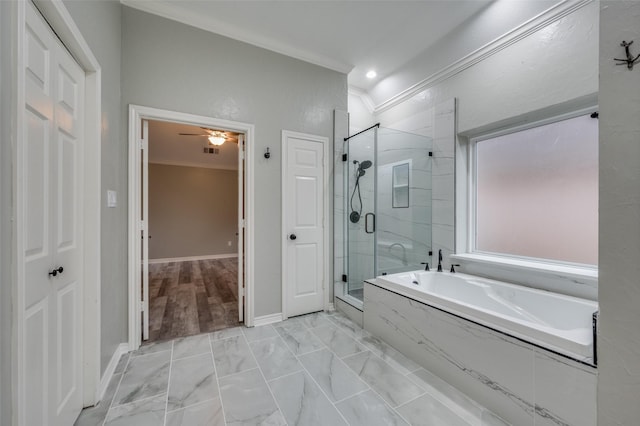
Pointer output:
x,y
518,381
553,321
353,379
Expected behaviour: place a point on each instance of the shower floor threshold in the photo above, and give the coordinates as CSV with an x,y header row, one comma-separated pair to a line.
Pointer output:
x,y
356,303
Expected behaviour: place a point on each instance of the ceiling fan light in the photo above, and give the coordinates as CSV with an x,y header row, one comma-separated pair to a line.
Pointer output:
x,y
216,140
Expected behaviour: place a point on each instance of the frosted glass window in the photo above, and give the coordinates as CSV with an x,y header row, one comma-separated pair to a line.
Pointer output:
x,y
537,192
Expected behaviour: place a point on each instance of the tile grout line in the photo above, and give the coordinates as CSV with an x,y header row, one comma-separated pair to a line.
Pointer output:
x,y
205,401
368,349
351,396
116,390
166,403
258,340
215,371
384,401
337,329
265,380
322,390
335,407
444,399
152,353
393,409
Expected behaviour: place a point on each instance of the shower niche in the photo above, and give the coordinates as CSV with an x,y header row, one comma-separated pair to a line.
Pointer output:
x,y
386,197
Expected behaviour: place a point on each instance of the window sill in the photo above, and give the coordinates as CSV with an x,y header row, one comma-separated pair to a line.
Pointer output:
x,y
571,280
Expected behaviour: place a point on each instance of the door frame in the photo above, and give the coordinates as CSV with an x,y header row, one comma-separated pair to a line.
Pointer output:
x,y
137,114
326,271
58,17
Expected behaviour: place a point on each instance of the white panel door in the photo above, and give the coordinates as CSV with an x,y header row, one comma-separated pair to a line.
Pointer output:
x,y
49,229
303,213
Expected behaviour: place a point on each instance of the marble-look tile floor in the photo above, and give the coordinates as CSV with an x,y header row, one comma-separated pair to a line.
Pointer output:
x,y
317,369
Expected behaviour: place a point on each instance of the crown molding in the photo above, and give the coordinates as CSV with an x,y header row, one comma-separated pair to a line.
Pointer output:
x,y
544,19
364,96
176,13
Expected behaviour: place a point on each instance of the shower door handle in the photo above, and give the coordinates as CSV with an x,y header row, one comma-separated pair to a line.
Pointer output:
x,y
366,223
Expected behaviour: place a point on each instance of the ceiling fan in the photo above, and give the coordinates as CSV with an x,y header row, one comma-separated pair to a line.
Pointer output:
x,y
215,137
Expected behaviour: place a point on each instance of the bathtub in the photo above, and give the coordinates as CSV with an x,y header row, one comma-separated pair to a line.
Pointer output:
x,y
562,324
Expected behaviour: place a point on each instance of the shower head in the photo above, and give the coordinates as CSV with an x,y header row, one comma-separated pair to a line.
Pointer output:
x,y
362,166
365,164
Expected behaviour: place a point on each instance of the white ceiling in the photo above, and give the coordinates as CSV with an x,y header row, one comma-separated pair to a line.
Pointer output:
x,y
166,146
348,36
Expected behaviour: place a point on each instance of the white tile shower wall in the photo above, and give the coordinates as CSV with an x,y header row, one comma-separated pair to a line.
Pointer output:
x,y
443,209
438,123
340,131
404,234
519,382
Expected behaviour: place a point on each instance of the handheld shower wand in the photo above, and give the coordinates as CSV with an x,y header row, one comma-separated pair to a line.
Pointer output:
x,y
360,171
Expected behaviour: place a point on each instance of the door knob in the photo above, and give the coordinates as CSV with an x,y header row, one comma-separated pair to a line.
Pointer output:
x,y
56,271
292,237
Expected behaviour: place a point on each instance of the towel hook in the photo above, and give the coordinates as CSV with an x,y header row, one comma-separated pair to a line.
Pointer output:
x,y
630,60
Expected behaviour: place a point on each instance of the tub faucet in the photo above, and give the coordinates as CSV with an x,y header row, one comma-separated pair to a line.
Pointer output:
x,y
426,265
453,271
439,260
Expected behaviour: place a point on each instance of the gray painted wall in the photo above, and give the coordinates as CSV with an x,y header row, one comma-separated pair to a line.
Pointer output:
x,y
193,211
99,22
619,291
5,215
172,66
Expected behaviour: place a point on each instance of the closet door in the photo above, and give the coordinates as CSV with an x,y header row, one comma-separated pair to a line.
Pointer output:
x,y
49,229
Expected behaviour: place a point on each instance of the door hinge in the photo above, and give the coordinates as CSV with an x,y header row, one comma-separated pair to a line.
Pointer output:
x,y
344,157
141,144
243,223
142,306
344,278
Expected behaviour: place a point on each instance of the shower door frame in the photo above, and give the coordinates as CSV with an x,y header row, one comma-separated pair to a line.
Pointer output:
x,y
352,300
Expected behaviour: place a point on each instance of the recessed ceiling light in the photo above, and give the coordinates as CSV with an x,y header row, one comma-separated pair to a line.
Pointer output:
x,y
371,74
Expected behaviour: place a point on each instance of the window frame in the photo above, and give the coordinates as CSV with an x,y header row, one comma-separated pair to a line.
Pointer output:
x,y
565,277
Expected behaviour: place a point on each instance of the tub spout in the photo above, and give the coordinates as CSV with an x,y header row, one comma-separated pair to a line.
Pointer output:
x,y
440,260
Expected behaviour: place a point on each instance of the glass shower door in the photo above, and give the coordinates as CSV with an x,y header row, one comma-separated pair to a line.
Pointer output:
x,y
360,190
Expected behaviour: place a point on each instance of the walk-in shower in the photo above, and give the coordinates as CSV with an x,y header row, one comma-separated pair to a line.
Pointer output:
x,y
387,205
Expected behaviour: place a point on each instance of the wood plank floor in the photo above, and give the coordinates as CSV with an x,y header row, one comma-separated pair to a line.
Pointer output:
x,y
187,298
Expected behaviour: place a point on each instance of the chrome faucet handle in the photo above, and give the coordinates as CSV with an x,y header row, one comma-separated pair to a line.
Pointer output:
x,y
453,271
426,265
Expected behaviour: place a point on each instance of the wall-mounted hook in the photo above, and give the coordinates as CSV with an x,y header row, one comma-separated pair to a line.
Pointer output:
x,y
630,60
267,154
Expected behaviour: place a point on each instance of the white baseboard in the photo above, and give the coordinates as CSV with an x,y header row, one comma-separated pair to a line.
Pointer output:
x,y
267,319
192,258
331,307
122,349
